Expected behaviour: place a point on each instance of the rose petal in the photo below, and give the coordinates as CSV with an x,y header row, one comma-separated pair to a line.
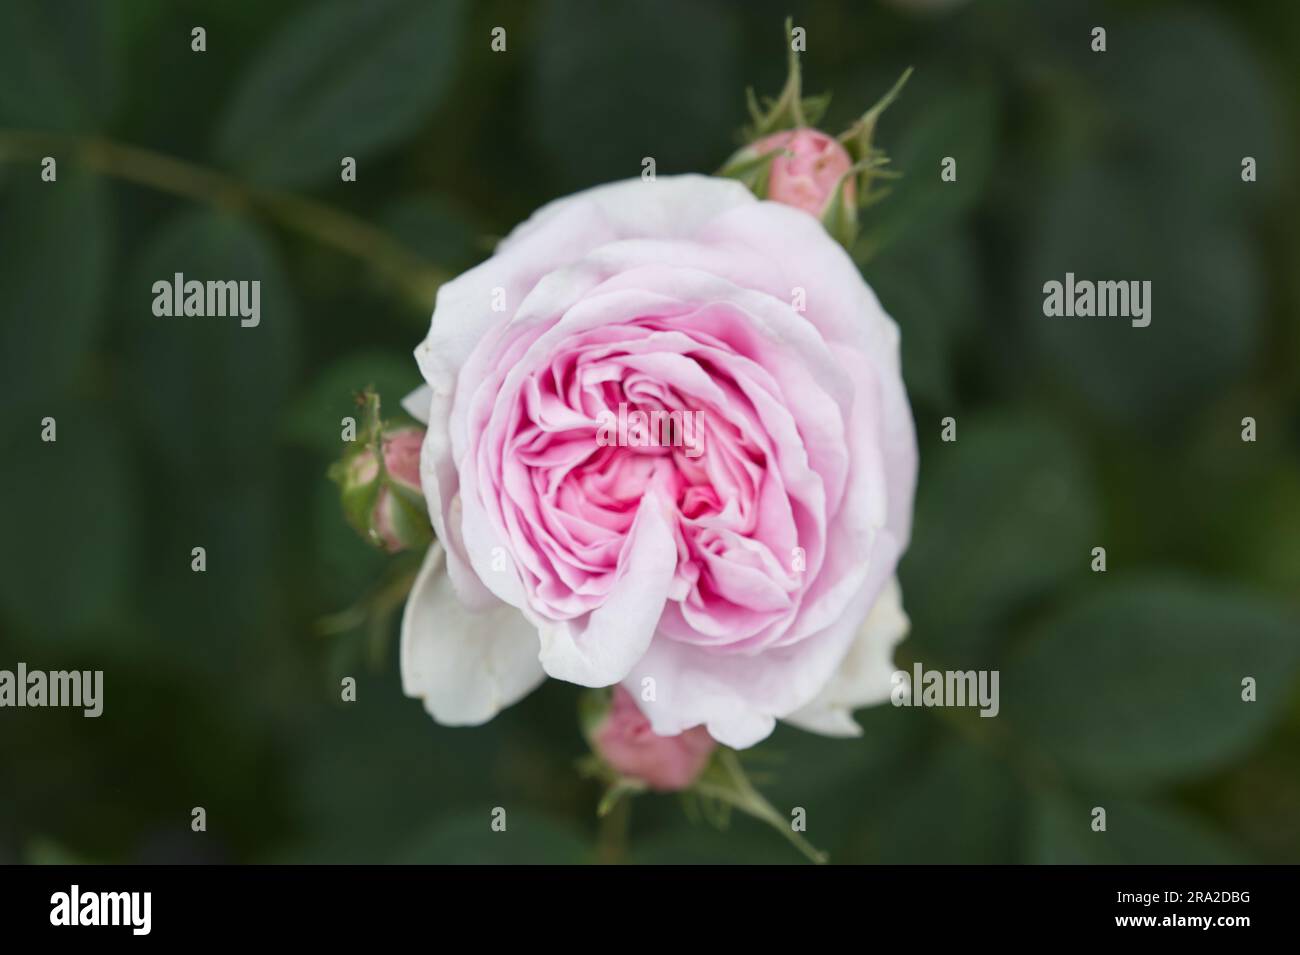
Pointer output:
x,y
864,675
737,697
616,636
466,666
416,404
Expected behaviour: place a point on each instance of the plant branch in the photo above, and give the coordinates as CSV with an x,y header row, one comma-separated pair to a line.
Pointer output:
x,y
329,226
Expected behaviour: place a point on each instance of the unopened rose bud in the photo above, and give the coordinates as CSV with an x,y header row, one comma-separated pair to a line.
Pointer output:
x,y
624,740
789,160
400,517
807,169
380,484
804,168
402,456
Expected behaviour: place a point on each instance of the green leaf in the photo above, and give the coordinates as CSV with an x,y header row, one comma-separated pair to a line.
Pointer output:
x,y
1137,833
960,807
346,563
342,79
467,838
1004,514
834,778
745,841
437,230
1105,223
66,554
1186,99
43,851
226,385
1141,682
931,290
1258,795
54,263
650,85
60,64
370,777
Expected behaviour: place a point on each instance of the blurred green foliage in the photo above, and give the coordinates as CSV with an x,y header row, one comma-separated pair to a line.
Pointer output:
x,y
1119,690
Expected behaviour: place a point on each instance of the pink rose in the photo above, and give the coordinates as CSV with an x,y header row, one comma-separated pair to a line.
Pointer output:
x,y
748,582
625,741
807,168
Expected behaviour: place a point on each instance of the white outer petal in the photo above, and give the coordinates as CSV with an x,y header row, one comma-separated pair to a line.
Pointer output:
x,y
467,666
664,207
863,677
416,404
559,234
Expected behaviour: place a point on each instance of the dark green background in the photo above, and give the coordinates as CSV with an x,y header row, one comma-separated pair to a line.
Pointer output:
x,y
1120,690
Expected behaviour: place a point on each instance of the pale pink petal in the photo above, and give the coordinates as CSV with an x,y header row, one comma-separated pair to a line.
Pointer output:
x,y
465,666
864,675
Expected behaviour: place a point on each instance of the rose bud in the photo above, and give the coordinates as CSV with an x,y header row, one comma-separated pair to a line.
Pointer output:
x,y
623,739
788,160
380,482
807,169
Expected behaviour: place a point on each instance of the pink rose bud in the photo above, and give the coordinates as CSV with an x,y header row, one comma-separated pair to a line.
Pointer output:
x,y
402,456
624,740
385,504
791,162
806,170
400,518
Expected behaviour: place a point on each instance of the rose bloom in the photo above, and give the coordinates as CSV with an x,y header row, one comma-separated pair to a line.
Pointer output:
x,y
750,583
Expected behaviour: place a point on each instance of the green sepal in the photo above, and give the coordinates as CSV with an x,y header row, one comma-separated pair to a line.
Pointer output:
x,y
622,787
840,217
358,503
815,107
410,516
359,498
724,785
753,170
791,109
869,161
721,787
591,712
593,706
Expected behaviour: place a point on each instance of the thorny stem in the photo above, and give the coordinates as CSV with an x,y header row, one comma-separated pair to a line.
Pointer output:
x,y
329,226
